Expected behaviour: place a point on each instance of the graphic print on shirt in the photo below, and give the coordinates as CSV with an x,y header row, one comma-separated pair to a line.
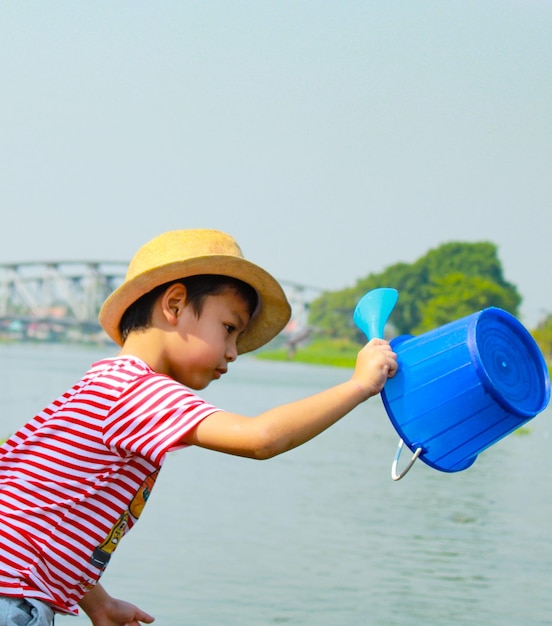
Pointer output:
x,y
102,553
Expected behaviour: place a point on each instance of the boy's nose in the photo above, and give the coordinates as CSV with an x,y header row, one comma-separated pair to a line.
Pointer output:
x,y
231,353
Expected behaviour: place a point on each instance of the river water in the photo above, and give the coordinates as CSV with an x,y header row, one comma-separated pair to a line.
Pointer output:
x,y
321,536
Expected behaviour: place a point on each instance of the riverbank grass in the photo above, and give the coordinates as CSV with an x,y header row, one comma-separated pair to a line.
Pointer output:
x,y
333,352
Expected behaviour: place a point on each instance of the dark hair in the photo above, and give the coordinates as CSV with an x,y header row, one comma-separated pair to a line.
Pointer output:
x,y
138,314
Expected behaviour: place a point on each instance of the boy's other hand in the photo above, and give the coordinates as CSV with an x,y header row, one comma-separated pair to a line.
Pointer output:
x,y
116,612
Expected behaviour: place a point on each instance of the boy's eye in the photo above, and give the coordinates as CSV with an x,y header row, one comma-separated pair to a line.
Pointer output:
x,y
229,328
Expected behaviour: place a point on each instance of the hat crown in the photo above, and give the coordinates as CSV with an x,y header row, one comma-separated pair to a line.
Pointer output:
x,y
181,245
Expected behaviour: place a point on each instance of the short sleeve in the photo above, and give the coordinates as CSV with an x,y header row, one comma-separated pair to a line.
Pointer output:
x,y
152,416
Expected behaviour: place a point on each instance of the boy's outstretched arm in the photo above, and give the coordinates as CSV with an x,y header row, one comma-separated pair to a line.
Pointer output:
x,y
104,610
290,425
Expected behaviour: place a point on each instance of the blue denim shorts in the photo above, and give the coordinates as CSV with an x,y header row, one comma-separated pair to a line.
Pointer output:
x,y
25,612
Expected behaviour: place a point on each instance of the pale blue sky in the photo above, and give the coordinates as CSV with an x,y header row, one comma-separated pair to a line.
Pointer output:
x,y
332,139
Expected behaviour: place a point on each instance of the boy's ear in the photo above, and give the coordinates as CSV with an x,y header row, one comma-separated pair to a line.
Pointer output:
x,y
173,302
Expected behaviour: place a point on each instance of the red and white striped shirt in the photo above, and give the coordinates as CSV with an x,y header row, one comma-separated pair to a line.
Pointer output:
x,y
76,477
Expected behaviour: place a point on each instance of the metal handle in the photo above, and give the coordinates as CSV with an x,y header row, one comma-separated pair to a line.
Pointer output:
x,y
405,471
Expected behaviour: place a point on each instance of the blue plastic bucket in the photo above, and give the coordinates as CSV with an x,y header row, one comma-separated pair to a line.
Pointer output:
x,y
464,386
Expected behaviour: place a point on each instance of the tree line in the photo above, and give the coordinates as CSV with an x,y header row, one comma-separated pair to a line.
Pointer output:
x,y
447,283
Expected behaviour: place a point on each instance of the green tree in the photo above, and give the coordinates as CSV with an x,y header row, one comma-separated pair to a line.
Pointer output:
x,y
456,295
331,314
450,281
543,336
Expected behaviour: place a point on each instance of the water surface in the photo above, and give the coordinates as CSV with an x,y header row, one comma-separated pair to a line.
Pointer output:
x,y
321,536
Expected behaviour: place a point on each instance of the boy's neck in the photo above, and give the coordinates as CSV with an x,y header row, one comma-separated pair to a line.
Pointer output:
x,y
147,345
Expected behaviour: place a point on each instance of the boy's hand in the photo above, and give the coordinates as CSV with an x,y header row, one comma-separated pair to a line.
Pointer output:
x,y
104,610
120,613
376,362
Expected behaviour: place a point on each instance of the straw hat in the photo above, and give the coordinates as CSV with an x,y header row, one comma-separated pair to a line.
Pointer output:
x,y
182,253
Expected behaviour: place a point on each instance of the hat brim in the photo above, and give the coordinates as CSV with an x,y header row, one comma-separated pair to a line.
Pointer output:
x,y
272,316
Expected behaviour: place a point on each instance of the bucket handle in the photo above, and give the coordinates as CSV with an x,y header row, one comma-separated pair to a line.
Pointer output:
x,y
405,471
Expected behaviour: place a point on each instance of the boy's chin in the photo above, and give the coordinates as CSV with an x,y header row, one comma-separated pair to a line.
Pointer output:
x,y
199,386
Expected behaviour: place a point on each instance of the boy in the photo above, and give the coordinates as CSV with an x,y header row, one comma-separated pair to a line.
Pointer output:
x,y
77,476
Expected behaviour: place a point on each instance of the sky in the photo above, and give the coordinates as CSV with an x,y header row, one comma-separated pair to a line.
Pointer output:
x,y
330,138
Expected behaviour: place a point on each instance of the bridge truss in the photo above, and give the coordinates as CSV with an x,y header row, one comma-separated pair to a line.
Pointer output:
x,y
60,300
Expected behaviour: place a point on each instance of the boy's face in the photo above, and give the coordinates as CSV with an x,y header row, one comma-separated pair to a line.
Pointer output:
x,y
202,347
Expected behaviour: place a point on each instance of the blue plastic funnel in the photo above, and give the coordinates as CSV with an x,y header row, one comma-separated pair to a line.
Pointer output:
x,y
373,310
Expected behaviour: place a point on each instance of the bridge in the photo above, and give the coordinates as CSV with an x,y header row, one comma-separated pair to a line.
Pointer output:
x,y
60,300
